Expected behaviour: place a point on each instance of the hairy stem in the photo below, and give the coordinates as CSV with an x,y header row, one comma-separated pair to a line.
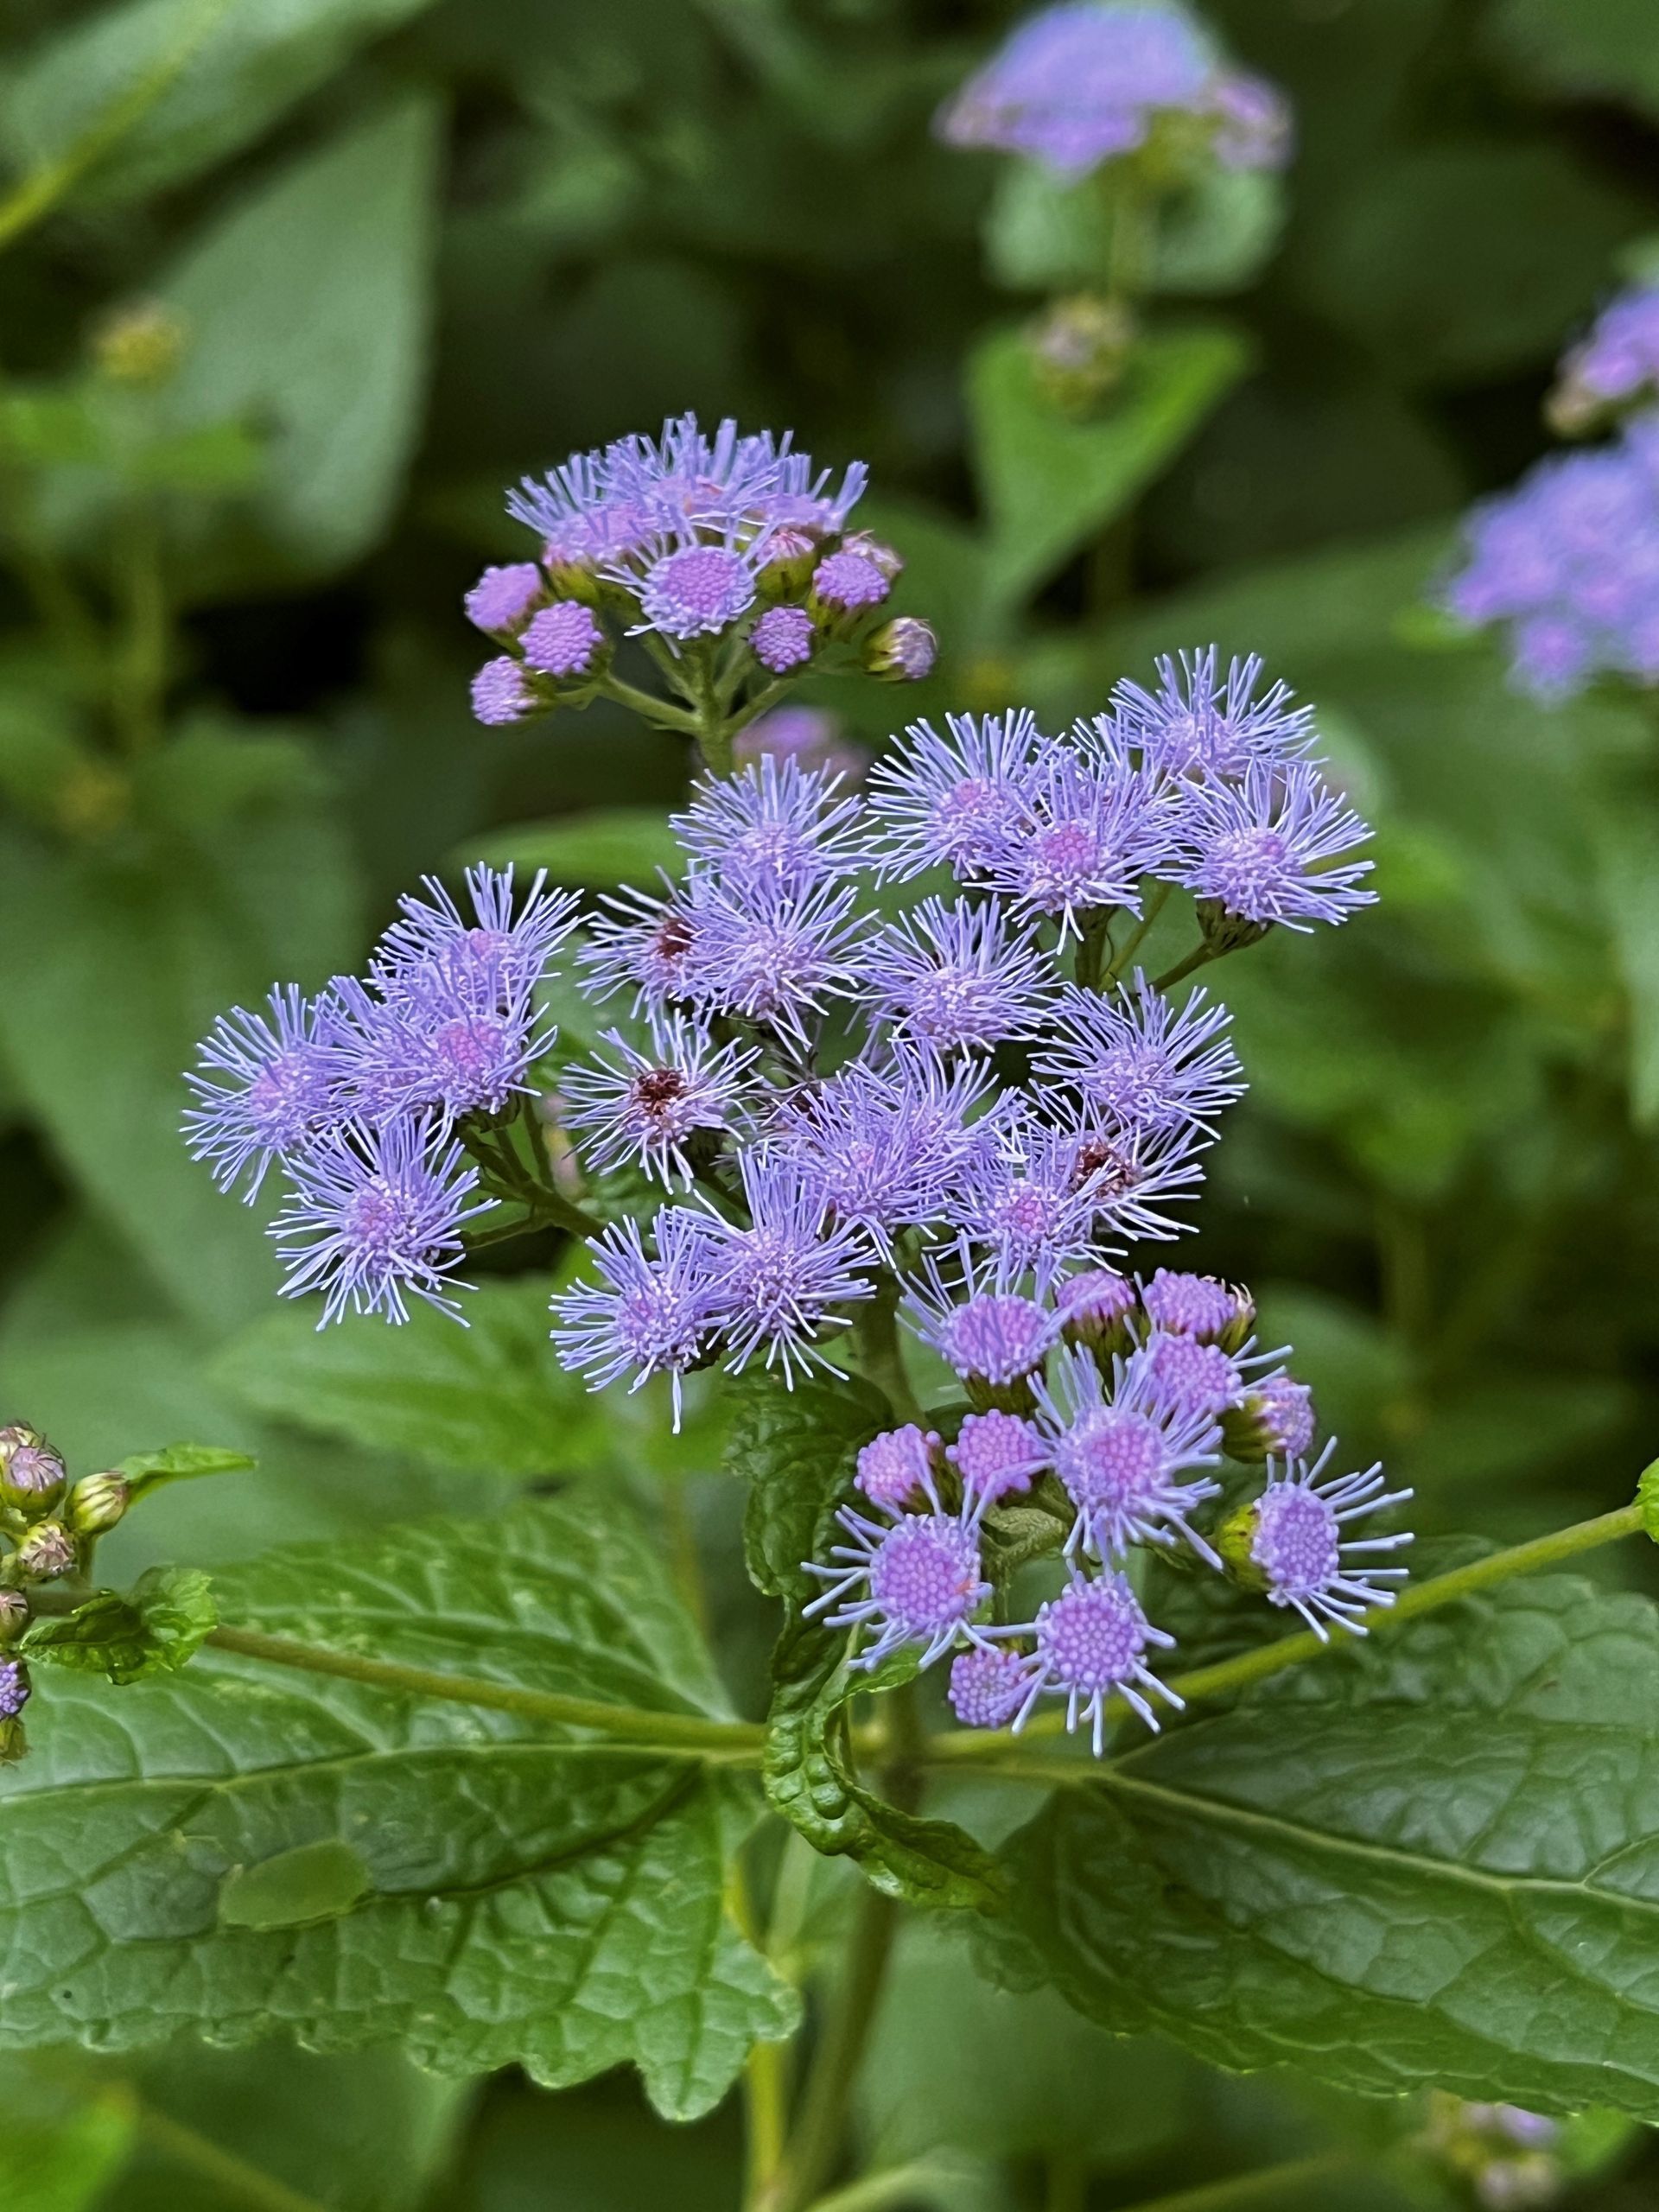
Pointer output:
x,y
737,1742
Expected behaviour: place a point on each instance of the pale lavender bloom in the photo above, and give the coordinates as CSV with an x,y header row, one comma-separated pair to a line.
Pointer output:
x,y
959,977
1270,847
903,650
1203,1307
777,1282
1137,1174
268,1085
375,1217
849,582
644,1107
1120,1454
1618,362
501,598
1192,1377
1299,1546
952,801
1253,128
563,639
646,942
1273,1421
1091,826
896,1467
783,639
868,1143
441,1039
988,1686
501,693
1091,1646
691,589
1045,1196
997,1455
914,1580
649,1313
1083,82
1200,723
776,825
772,956
1138,1061
981,1323
14,1688
500,945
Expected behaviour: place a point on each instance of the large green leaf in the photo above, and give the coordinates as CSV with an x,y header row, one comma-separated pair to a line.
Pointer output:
x,y
308,306
1050,483
221,73
611,845
1610,50
120,958
1436,1860
517,1894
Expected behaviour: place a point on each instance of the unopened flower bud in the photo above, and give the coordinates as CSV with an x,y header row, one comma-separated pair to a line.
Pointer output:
x,y
903,650
32,1475
565,641
14,1615
849,584
1235,1543
14,1696
1097,1309
141,344
1225,932
501,693
1078,350
98,1502
503,599
47,1551
870,548
1214,1312
787,560
783,639
1273,1420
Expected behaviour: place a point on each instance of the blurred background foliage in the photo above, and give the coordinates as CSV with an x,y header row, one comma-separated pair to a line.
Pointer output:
x,y
289,289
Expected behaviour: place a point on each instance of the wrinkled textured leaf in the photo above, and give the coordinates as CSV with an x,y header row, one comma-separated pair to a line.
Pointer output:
x,y
1050,484
530,1898
1436,1860
795,1449
491,1396
310,303
160,1626
223,72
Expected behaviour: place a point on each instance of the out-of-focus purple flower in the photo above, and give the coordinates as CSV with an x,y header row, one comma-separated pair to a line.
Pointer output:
x,y
1200,723
959,977
501,693
1616,365
1299,1546
1203,1306
1091,1643
1270,847
783,639
502,947
952,801
776,825
693,590
1570,560
501,598
1082,82
268,1085
777,1282
375,1217
1120,1454
896,1468
808,736
644,1106
915,1580
972,1313
563,639
903,650
1254,128
773,956
849,582
997,1455
650,1313
1090,829
1138,1061
989,1686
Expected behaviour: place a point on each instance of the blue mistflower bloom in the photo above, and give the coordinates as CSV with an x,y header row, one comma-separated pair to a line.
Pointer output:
x,y
997,1455
646,942
437,1039
914,1580
691,589
375,1217
1201,722
269,1084
777,825
650,1313
1091,1645
1091,826
779,1279
644,1106
1616,365
1138,1061
972,1311
1298,1542
772,955
882,1147
950,801
988,1684
896,1468
1203,1306
1270,848
957,977
498,944
1120,1454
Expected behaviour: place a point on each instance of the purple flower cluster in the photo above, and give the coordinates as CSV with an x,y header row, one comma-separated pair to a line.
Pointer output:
x,y
1615,368
687,540
358,1095
1569,561
1092,81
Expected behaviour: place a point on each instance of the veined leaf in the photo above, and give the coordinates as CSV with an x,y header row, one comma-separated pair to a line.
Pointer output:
x,y
1436,1860
178,1854
161,1625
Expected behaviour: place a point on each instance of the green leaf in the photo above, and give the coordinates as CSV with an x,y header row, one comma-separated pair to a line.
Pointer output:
x,y
795,1449
1050,484
308,303
161,1625
490,1396
1647,1496
1434,1861
147,1471
222,74
611,845
1609,51
120,958
530,1898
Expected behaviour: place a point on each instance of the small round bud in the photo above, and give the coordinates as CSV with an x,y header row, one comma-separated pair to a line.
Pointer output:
x,y
1097,1309
783,639
1235,1542
98,1502
870,548
848,583
500,693
47,1551
141,344
903,650
1079,349
502,598
14,1615
897,1468
1214,1312
564,640
1273,1420
32,1475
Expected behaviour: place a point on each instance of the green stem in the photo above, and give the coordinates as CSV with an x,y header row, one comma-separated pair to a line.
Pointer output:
x,y
822,2118
1229,1674
1157,900
733,1742
1197,957
659,712
920,2180
883,1356
232,2178
1240,2189
1091,949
